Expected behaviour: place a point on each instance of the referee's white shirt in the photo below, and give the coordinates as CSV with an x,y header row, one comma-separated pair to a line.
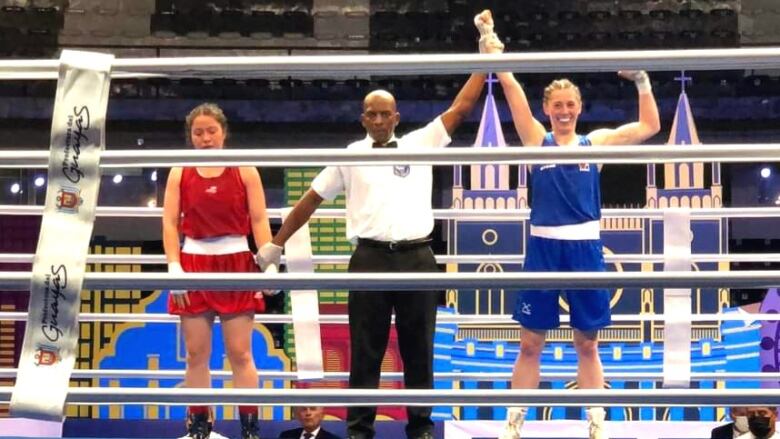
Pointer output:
x,y
382,202
750,435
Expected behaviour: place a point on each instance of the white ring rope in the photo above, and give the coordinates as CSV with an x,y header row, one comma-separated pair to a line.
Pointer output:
x,y
19,281
596,61
37,76
26,258
425,397
637,154
464,319
441,214
398,376
389,64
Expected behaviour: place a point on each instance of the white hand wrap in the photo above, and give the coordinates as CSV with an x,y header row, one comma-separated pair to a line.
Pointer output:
x,y
492,45
269,254
268,259
485,29
642,81
271,269
175,268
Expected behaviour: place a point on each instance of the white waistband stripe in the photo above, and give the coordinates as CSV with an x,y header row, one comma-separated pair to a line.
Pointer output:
x,y
570,232
222,245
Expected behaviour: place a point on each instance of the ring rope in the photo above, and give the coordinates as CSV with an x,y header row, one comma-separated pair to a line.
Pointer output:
x,y
637,154
428,393
465,319
398,376
19,281
26,258
38,76
559,161
416,397
442,214
596,61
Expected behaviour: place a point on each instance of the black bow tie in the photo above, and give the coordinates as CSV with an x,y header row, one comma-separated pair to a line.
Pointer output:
x,y
392,144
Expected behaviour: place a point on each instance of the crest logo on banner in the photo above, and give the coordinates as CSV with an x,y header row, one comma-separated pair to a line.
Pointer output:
x,y
69,199
46,355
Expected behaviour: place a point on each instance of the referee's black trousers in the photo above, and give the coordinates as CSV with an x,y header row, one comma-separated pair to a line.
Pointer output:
x,y
369,326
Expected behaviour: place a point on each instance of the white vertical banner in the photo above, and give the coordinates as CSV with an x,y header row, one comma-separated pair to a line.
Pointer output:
x,y
677,301
77,139
305,306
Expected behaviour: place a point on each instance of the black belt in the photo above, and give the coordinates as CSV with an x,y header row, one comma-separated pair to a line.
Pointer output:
x,y
396,245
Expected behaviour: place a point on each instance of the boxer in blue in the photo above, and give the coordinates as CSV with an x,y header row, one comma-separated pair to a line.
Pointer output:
x,y
565,217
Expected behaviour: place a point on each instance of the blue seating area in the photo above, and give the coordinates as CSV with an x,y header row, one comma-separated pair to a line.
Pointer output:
x,y
535,26
245,18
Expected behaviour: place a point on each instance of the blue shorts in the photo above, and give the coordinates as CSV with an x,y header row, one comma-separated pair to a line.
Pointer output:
x,y
538,309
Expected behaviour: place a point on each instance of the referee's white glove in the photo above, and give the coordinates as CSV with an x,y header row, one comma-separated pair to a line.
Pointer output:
x,y
488,40
640,78
269,254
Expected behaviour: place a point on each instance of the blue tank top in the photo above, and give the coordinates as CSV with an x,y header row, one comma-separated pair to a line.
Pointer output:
x,y
565,194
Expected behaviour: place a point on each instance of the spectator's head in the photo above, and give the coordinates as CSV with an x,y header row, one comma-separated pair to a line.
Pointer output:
x,y
761,421
309,417
739,415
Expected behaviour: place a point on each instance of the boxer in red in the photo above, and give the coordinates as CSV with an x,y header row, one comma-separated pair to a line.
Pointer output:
x,y
214,208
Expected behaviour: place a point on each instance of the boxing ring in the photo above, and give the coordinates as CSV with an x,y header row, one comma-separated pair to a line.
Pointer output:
x,y
679,395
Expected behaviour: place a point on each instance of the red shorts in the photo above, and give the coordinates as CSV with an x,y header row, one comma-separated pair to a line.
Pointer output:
x,y
220,302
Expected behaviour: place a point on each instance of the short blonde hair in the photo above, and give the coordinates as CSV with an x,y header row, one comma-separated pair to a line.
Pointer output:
x,y
560,84
205,109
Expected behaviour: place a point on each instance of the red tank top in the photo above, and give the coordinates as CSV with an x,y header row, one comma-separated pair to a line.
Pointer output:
x,y
215,206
